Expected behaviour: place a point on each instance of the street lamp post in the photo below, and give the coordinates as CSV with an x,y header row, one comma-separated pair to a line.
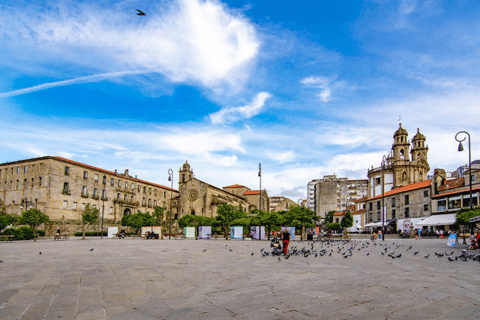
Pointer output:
x,y
384,162
103,202
170,178
460,149
260,200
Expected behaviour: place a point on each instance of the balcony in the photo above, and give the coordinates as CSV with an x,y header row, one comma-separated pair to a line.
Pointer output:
x,y
84,195
66,192
95,197
104,198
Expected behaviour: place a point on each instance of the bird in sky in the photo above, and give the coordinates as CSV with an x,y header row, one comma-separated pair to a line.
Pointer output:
x,y
140,13
91,249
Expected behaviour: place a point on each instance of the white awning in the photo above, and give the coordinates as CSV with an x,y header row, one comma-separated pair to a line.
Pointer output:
x,y
439,220
475,219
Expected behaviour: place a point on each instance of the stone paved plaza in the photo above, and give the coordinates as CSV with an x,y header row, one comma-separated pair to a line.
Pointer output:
x,y
177,279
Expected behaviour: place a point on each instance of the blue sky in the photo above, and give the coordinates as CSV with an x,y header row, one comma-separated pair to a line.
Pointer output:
x,y
306,88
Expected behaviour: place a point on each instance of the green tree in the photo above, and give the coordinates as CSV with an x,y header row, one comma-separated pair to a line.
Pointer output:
x,y
158,215
33,218
6,220
226,214
347,220
333,226
299,217
463,219
268,219
138,220
329,217
89,217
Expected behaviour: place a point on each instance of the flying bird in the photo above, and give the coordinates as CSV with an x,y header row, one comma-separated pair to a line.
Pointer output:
x,y
140,13
91,249
40,252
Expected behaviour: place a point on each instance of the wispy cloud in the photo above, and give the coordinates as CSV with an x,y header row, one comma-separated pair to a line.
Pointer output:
x,y
325,84
232,114
190,41
86,79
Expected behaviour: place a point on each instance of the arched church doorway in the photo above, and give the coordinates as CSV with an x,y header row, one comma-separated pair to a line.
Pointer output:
x,y
126,212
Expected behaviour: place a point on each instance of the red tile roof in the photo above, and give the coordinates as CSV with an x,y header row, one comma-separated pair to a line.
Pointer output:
x,y
467,189
339,213
113,173
361,199
358,211
410,187
235,186
250,192
451,184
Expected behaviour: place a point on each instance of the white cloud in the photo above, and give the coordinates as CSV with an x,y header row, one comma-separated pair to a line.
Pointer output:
x,y
191,41
190,143
325,84
282,157
232,114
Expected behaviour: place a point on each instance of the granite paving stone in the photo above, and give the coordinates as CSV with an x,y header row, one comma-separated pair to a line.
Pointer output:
x,y
172,279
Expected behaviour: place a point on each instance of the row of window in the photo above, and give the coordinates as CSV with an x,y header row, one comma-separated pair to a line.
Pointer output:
x,y
75,207
120,183
26,183
19,169
394,215
456,202
145,201
394,200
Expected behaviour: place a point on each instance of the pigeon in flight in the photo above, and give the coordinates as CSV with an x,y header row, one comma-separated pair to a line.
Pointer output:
x,y
91,249
140,13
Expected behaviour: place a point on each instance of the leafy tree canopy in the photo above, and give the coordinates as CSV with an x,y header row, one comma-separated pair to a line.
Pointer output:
x,y
333,226
33,217
347,220
158,215
138,220
329,217
6,220
464,216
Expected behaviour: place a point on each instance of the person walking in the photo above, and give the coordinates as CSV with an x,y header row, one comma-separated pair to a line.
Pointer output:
x,y
286,240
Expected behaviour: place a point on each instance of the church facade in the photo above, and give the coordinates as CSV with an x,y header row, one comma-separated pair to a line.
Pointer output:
x,y
406,164
197,197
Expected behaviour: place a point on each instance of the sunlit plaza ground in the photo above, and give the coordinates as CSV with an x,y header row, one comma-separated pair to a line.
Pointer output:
x,y
218,279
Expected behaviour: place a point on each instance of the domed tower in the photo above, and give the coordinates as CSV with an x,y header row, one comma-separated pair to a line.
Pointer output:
x,y
419,157
401,145
185,173
419,149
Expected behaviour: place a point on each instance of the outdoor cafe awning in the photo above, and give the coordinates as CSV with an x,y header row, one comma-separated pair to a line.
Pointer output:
x,y
439,220
475,219
379,224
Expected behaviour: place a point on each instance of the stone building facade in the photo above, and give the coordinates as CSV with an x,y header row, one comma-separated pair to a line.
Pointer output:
x,y
61,188
407,202
337,194
452,195
397,168
197,197
278,204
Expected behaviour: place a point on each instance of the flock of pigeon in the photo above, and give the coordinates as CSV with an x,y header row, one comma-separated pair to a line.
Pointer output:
x,y
347,248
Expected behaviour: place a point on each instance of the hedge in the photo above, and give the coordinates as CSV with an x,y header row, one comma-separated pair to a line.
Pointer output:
x,y
23,232
90,234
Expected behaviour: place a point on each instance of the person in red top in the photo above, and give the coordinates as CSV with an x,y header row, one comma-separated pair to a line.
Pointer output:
x,y
286,240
